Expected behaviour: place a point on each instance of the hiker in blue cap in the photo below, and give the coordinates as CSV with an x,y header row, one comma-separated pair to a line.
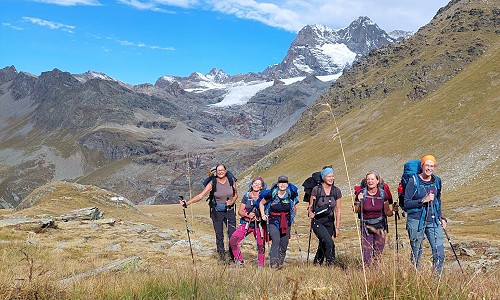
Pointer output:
x,y
324,210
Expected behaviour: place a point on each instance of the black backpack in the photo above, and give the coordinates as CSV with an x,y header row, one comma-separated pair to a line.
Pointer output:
x,y
213,178
311,182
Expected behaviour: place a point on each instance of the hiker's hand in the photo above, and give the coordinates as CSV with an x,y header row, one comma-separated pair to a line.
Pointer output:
x,y
426,199
264,217
337,232
183,203
360,196
311,215
395,207
251,215
443,223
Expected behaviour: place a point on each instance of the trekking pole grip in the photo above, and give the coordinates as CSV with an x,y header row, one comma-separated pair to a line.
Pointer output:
x,y
184,203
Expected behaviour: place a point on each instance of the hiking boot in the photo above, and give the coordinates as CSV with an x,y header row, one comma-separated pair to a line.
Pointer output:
x,y
238,264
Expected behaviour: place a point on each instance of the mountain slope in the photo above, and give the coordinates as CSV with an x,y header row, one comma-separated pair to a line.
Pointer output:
x,y
389,110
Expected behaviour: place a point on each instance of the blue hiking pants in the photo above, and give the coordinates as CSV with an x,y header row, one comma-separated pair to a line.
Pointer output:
x,y
434,234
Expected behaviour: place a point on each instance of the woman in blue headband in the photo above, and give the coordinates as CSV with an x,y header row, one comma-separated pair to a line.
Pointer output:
x,y
324,210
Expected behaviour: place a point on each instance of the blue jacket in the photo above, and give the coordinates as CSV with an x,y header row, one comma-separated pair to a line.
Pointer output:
x,y
415,191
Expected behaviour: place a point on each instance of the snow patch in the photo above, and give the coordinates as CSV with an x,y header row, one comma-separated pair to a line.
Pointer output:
x,y
338,54
168,78
327,78
241,94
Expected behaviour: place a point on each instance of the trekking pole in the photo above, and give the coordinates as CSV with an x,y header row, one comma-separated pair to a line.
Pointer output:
x,y
256,238
434,223
184,206
189,185
267,239
309,243
452,248
298,243
396,218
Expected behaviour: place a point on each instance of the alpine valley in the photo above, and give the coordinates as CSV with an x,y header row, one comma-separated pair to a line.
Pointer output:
x,y
355,98
393,99
137,140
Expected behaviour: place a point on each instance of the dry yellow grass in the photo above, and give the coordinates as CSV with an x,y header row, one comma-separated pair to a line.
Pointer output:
x,y
33,263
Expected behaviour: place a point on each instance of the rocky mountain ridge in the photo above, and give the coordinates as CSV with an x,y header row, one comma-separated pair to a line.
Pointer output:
x,y
95,129
317,50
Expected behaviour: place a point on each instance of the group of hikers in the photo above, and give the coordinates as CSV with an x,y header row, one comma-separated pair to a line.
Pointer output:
x,y
269,214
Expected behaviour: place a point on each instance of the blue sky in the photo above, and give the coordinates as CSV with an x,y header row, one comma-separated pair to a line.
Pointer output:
x,y
137,41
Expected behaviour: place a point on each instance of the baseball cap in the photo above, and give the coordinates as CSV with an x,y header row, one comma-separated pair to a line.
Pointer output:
x,y
282,179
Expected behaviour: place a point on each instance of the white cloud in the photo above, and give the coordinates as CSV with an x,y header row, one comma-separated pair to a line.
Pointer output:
x,y
12,26
141,45
178,3
71,2
50,24
156,5
142,5
292,15
268,13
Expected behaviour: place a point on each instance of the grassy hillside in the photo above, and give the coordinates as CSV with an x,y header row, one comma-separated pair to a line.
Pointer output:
x,y
382,124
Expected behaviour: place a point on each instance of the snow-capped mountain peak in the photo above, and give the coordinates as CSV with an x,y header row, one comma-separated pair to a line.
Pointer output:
x,y
218,76
84,77
317,50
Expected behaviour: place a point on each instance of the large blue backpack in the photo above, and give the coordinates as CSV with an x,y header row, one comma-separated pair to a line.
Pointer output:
x,y
411,168
292,191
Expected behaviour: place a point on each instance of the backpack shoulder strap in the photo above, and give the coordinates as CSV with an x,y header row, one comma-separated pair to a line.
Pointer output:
x,y
437,181
382,193
332,193
231,183
416,182
365,191
382,197
214,184
317,195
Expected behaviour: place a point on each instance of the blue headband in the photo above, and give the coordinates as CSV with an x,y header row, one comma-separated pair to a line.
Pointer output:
x,y
325,172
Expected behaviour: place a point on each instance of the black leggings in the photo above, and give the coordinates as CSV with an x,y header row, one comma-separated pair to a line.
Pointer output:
x,y
324,229
219,218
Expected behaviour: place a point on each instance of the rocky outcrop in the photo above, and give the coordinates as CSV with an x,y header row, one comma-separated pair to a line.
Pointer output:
x,y
118,145
87,213
7,74
29,224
